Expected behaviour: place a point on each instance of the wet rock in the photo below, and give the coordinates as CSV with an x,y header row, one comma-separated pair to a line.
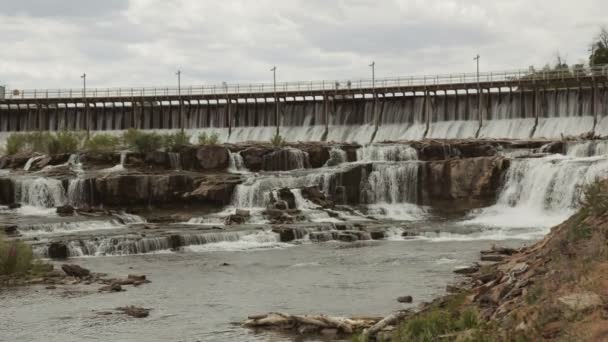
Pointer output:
x,y
137,189
405,299
318,155
378,235
175,241
111,288
253,157
213,157
10,230
467,270
279,205
317,197
471,179
58,250
136,277
580,302
286,195
554,148
51,287
157,158
286,234
345,237
134,311
14,206
214,189
492,258
66,210
239,217
75,270
285,159
7,191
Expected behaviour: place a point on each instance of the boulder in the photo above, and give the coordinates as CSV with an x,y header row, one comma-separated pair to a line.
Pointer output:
x,y
75,270
317,197
253,157
580,302
66,210
13,206
58,250
285,159
135,311
10,230
239,217
111,288
7,191
288,234
318,155
405,299
214,189
378,235
288,197
213,157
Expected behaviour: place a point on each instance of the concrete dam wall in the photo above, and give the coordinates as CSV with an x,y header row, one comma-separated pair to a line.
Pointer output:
x,y
540,113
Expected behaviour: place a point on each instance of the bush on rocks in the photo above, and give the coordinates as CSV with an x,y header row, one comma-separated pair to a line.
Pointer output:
x,y
16,257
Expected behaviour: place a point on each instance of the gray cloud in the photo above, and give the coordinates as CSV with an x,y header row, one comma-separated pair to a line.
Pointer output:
x,y
143,42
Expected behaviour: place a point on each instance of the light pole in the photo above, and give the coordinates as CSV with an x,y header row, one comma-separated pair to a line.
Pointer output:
x,y
478,89
179,97
276,103
86,106
373,66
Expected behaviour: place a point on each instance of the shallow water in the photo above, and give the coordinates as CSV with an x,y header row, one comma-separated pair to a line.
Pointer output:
x,y
195,298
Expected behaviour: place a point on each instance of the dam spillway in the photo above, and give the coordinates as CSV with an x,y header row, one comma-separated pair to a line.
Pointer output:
x,y
495,106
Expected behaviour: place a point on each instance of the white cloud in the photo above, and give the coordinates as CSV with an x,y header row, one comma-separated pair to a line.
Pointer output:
x,y
143,42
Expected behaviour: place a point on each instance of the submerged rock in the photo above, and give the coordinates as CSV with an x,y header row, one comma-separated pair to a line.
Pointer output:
x,y
134,311
75,270
66,210
405,299
58,250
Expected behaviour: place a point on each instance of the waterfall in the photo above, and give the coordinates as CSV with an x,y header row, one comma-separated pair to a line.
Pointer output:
x,y
254,192
39,192
542,192
237,164
587,148
394,183
337,156
174,160
285,159
120,167
77,195
377,152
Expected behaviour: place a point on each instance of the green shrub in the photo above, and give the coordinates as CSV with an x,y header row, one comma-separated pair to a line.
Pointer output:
x,y
211,139
141,141
102,143
172,142
16,257
65,142
277,140
16,143
44,142
595,198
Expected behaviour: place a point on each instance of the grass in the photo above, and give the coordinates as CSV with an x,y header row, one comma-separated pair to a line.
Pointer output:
x,y
142,142
208,139
16,257
277,140
173,142
44,142
102,143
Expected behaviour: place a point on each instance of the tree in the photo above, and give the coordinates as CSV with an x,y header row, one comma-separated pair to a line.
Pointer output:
x,y
599,48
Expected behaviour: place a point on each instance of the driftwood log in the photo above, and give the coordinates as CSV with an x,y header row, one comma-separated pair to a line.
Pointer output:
x,y
307,324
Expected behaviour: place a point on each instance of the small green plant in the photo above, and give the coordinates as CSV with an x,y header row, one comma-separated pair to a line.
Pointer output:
x,y
64,142
211,139
142,142
277,140
102,143
16,257
595,198
534,295
16,143
172,142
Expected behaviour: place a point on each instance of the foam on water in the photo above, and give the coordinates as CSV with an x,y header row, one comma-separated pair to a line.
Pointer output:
x,y
249,242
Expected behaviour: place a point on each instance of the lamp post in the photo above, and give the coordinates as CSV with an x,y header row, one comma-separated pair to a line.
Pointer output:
x,y
276,103
373,66
179,97
86,106
478,90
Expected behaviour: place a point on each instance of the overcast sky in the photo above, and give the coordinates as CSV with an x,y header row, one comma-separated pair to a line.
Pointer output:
x,y
50,43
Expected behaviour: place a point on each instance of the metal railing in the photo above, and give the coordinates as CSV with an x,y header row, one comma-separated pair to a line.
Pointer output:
x,y
286,87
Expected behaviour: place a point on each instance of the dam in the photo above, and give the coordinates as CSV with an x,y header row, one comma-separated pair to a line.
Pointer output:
x,y
514,105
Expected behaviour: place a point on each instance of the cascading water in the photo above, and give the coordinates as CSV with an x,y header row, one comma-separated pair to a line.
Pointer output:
x,y
393,190
377,152
175,161
28,164
542,192
285,159
39,192
337,156
587,148
237,164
